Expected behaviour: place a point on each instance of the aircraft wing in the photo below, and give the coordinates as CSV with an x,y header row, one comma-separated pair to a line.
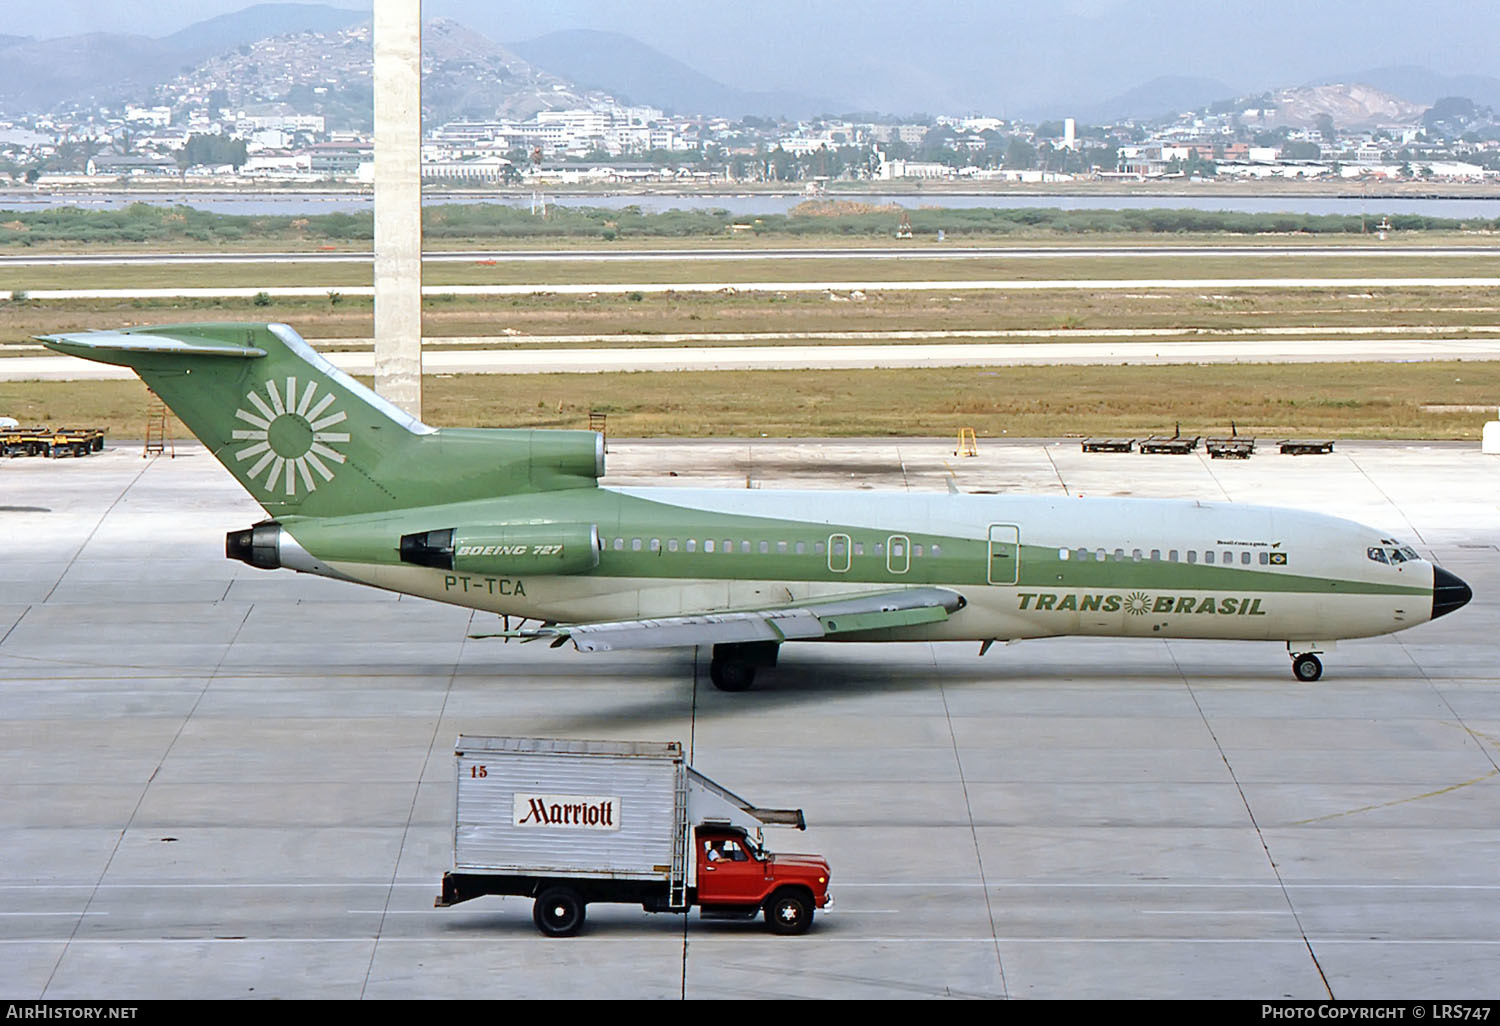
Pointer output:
x,y
817,618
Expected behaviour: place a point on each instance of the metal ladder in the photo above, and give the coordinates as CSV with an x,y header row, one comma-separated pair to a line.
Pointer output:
x,y
157,441
677,881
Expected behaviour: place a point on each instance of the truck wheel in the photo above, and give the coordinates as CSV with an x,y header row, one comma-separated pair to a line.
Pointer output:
x,y
789,912
558,912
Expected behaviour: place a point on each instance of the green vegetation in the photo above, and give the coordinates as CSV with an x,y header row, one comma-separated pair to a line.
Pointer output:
x,y
212,149
854,267
636,322
495,225
1357,400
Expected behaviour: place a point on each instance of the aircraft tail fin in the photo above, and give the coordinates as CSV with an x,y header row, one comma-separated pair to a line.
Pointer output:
x,y
304,438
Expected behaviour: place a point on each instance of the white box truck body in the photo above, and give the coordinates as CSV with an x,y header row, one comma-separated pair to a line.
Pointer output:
x,y
574,822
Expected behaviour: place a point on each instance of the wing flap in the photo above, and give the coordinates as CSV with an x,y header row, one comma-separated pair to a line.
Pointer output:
x,y
818,618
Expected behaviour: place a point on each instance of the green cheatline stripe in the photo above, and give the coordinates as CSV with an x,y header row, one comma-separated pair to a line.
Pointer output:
x,y
959,562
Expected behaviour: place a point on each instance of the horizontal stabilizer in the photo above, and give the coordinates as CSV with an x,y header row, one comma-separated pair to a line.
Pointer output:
x,y
819,618
123,347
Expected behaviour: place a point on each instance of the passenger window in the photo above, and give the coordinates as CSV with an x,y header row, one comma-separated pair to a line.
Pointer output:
x,y
1265,558
1208,555
1228,557
1244,559
765,547
745,547
1156,555
708,545
859,548
1172,556
635,545
1063,554
692,545
1135,555
916,550
817,548
1192,555
619,544
655,544
1101,555
671,544
781,547
802,548
1119,555
1083,555
937,550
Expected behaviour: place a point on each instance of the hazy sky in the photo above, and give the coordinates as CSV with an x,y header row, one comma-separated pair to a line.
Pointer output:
x,y
903,55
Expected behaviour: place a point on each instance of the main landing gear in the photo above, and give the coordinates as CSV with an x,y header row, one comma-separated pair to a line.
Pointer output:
x,y
733,666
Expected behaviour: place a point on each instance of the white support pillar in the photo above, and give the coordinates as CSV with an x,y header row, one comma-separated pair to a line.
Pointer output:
x,y
398,203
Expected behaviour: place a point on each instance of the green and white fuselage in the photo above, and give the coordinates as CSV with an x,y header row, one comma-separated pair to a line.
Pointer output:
x,y
516,523
1027,566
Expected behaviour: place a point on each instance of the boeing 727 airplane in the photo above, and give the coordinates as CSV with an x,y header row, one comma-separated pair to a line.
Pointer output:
x,y
515,522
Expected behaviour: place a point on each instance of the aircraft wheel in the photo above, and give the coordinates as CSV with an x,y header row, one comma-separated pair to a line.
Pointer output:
x,y
1307,668
731,674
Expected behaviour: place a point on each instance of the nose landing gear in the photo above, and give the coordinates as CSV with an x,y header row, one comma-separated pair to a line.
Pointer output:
x,y
1307,667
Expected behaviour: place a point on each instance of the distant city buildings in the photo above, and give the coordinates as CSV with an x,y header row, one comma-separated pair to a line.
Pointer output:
x,y
284,127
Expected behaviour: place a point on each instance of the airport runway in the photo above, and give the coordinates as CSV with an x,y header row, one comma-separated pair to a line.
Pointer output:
x,y
656,288
573,360
954,252
222,782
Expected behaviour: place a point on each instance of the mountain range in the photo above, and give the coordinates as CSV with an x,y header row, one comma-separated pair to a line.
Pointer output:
x,y
551,70
633,71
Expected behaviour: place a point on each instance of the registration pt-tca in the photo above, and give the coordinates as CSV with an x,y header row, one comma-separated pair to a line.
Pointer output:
x,y
570,823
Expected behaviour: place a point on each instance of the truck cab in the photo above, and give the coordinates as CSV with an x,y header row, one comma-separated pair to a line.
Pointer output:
x,y
738,878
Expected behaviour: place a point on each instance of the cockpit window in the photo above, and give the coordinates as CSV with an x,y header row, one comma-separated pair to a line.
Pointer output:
x,y
1377,554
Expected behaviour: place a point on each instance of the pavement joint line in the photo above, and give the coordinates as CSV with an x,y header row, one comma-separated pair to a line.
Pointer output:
x,y
95,529
692,748
141,798
1254,823
1056,470
1389,501
12,628
528,938
843,884
958,762
1208,465
411,810
1475,736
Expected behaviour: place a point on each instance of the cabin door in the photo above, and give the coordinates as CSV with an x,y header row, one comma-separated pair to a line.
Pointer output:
x,y
1005,554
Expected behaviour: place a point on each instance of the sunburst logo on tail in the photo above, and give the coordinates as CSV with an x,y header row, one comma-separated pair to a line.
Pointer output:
x,y
290,436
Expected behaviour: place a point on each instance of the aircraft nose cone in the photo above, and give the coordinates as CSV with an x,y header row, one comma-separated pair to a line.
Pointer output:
x,y
1448,593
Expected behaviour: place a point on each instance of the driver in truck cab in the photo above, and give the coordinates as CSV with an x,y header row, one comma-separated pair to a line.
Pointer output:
x,y
725,851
